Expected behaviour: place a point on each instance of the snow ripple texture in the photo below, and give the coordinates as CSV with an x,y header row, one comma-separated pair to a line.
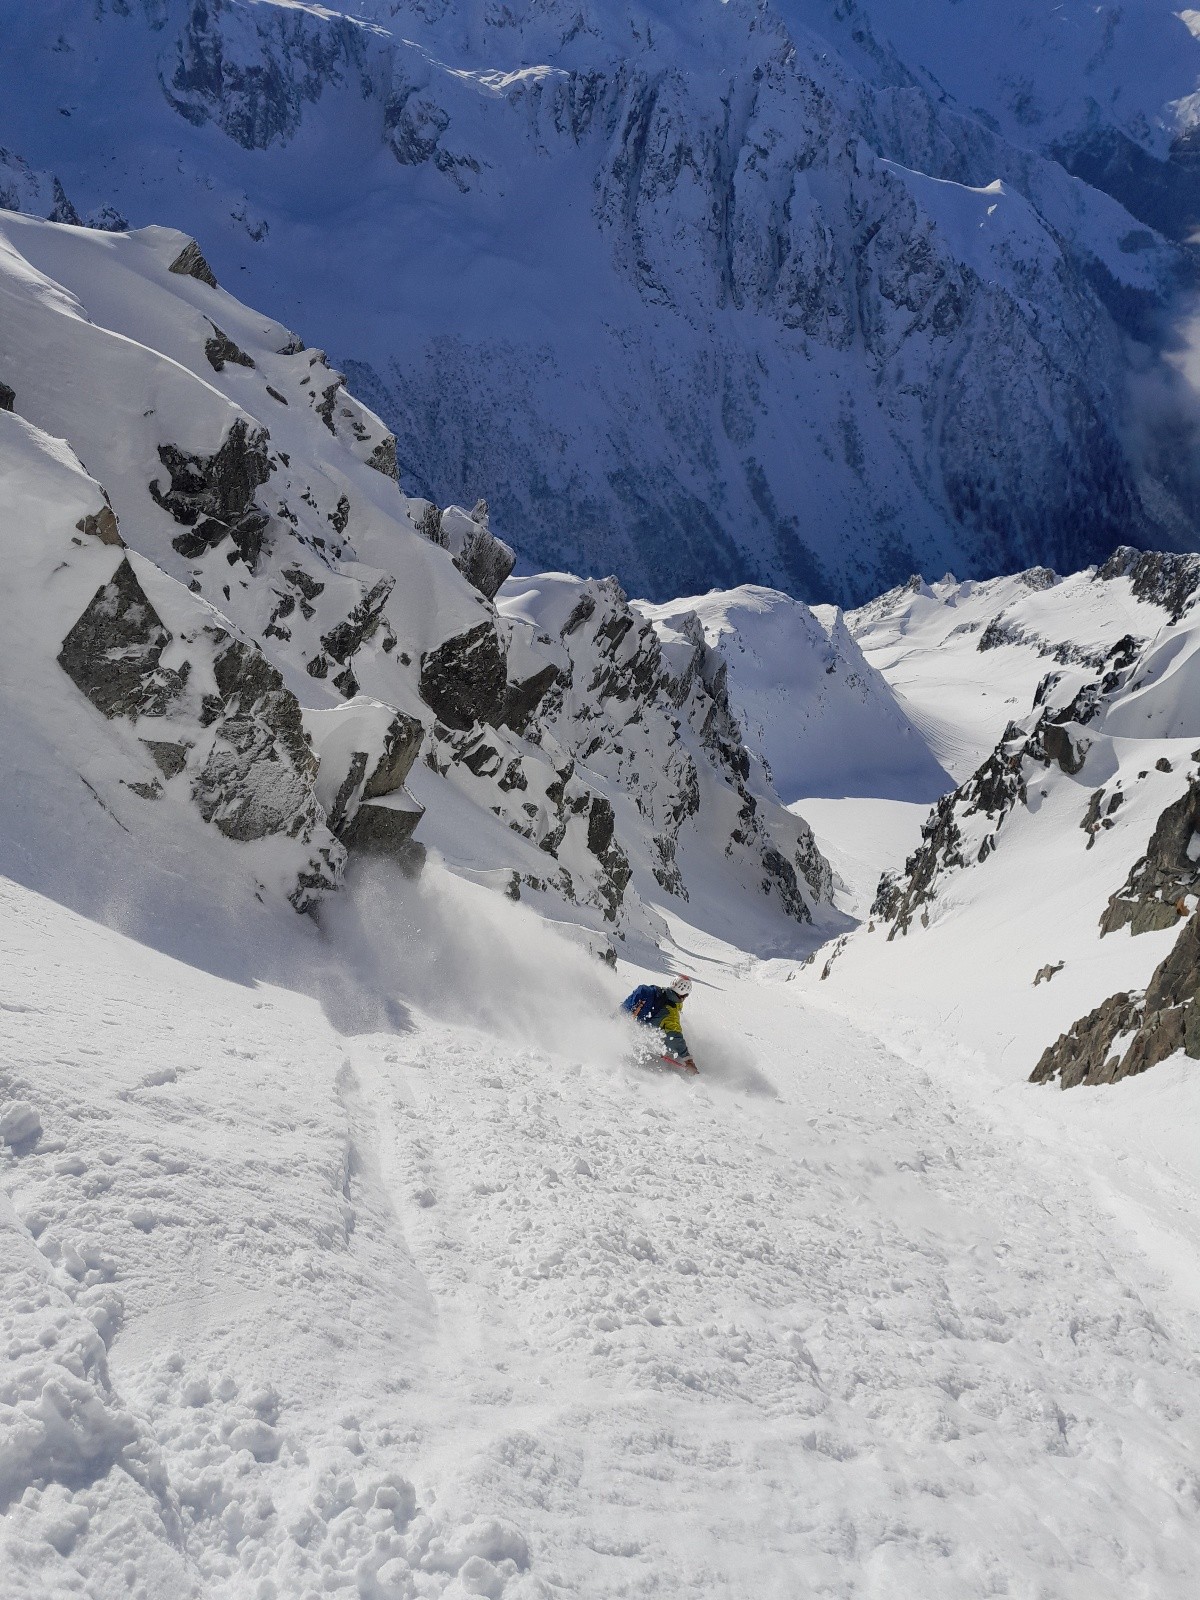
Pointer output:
x,y
419,1310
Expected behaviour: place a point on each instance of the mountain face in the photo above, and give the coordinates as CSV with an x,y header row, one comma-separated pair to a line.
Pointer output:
x,y
802,294
824,722
225,621
1074,846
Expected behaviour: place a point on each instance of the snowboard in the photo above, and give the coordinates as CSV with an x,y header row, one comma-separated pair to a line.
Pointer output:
x,y
679,1064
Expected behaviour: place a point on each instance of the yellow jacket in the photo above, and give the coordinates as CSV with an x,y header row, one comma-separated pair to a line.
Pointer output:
x,y
671,1020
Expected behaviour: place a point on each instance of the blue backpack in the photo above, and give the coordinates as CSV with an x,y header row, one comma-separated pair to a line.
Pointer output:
x,y
653,1001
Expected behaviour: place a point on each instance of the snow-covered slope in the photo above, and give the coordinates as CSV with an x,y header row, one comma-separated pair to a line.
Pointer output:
x,y
694,293
348,1256
1063,872
825,722
966,658
361,1268
269,632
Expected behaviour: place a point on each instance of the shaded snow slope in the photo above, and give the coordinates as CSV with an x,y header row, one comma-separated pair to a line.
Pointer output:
x,y
825,722
694,293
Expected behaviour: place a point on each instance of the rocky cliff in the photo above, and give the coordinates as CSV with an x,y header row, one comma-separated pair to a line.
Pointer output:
x,y
265,630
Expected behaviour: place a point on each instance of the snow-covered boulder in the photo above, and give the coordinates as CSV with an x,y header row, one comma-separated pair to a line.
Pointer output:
x,y
483,560
19,1123
366,751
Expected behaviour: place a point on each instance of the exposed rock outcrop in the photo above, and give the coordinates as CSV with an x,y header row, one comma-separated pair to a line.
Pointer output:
x,y
1160,883
988,796
1166,578
213,496
113,652
222,713
1130,1033
258,776
964,825
464,681
190,263
221,349
102,525
483,560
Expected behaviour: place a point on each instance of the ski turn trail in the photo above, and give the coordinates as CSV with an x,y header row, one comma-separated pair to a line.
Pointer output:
x,y
405,1307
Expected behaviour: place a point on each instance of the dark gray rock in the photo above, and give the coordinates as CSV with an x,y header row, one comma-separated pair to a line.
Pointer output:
x,y
401,746
464,680
1162,1021
146,791
614,881
190,263
484,561
1163,577
168,756
112,653
221,348
1160,881
383,458
601,825
341,642
385,830
1082,1055
342,806
1063,746
213,496
521,700
102,525
8,397
781,875
257,779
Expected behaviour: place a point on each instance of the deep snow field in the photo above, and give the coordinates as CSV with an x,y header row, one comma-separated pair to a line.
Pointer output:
x,y
412,1285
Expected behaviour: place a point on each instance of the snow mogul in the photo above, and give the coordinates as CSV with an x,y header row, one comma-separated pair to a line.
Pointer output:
x,y
662,1008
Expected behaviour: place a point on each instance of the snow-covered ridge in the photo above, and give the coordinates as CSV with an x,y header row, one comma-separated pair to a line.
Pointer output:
x,y
693,293
825,722
262,628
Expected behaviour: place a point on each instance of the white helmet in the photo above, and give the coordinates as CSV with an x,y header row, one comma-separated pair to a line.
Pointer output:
x,y
681,985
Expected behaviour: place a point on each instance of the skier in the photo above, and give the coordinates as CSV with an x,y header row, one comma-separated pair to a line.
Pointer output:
x,y
655,1007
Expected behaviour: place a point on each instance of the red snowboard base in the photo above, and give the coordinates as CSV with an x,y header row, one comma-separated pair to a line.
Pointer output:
x,y
679,1065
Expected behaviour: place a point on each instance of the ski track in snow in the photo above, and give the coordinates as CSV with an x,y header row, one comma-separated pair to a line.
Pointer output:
x,y
425,1313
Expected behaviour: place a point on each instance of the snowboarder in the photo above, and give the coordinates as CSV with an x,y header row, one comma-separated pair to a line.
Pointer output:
x,y
661,1008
